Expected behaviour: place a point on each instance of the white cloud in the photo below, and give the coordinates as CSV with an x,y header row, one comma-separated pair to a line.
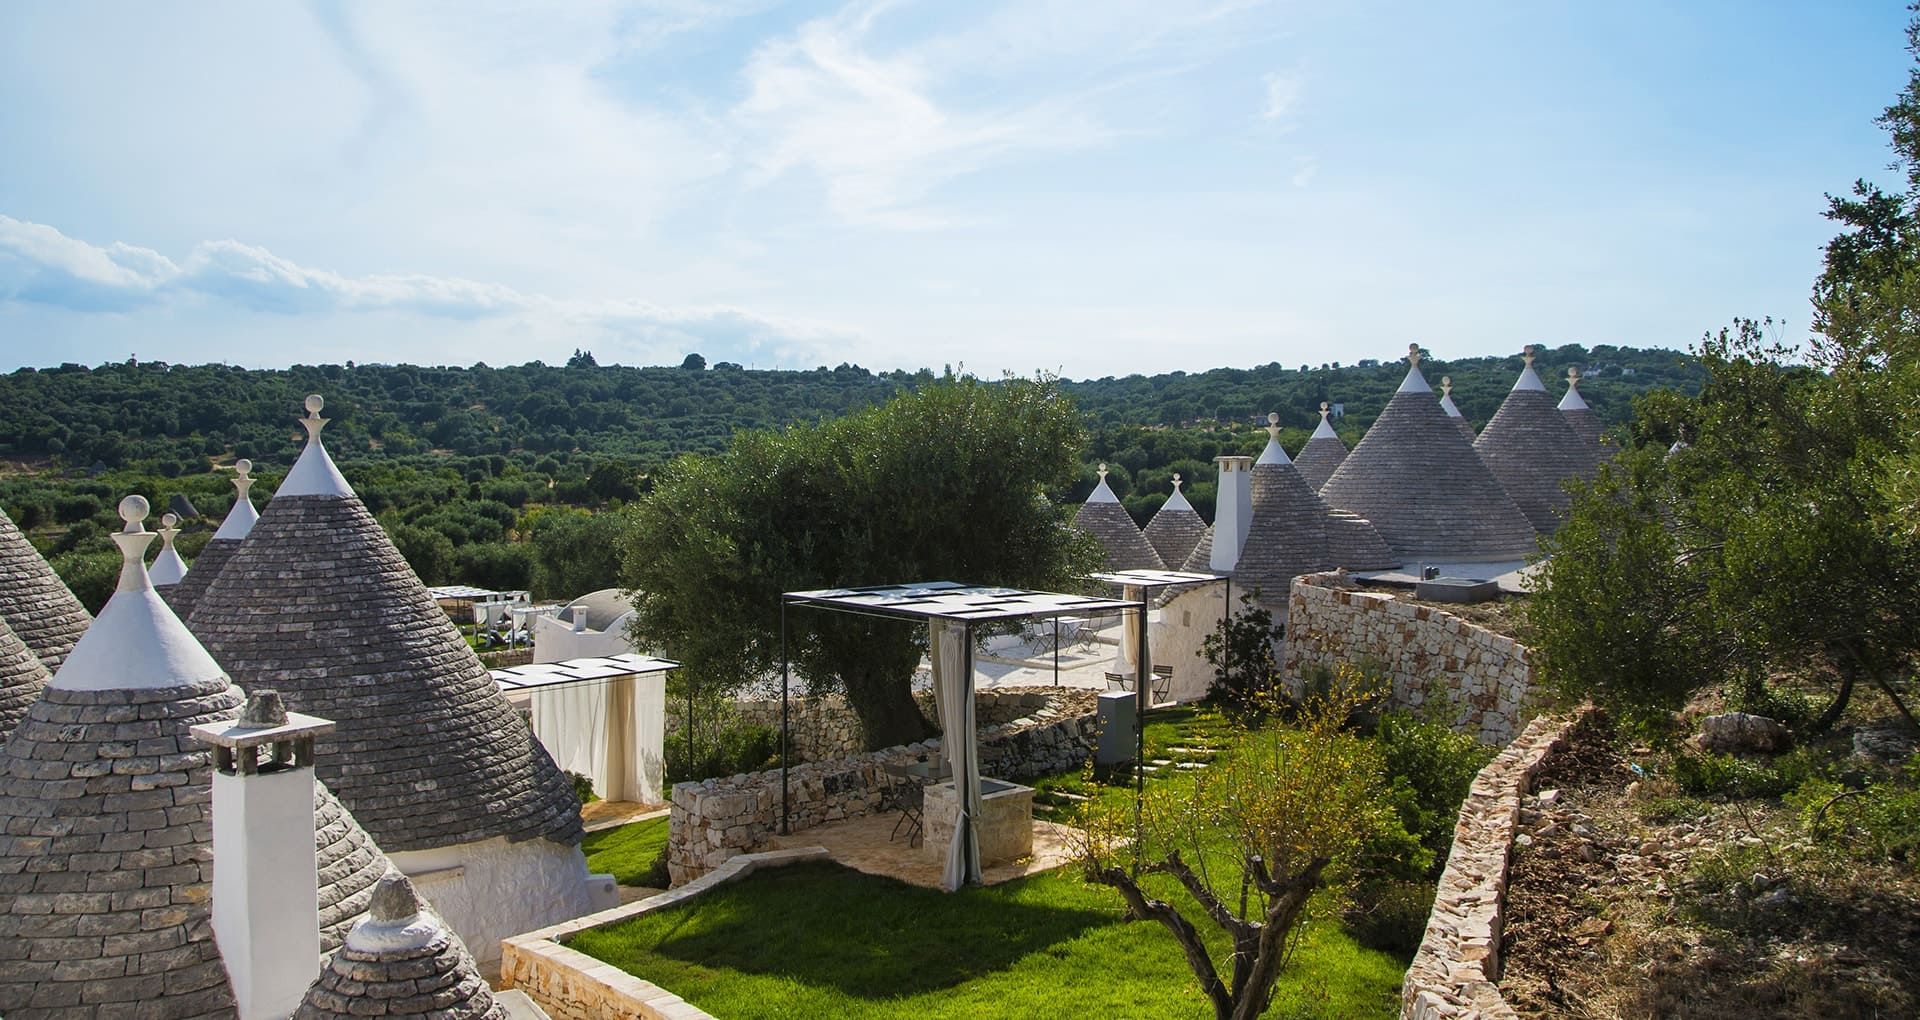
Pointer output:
x,y
39,265
1282,93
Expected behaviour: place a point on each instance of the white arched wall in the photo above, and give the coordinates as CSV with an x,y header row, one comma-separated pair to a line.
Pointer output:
x,y
493,889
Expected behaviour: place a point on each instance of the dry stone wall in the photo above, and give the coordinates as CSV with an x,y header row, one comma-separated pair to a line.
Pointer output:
x,y
717,819
825,728
1476,680
1456,971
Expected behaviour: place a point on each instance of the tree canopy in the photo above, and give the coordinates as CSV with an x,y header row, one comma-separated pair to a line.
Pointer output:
x,y
949,482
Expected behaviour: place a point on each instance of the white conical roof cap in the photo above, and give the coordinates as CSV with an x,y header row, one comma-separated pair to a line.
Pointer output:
x,y
1102,493
1324,430
1446,398
1177,501
1573,401
1529,379
314,473
1414,382
136,643
168,567
239,520
1273,454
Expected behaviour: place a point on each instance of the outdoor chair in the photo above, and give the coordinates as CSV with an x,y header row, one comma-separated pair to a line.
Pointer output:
x,y
1162,684
1119,682
908,795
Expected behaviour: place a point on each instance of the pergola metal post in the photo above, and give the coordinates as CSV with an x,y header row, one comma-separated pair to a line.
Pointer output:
x,y
1141,672
967,797
1056,651
786,667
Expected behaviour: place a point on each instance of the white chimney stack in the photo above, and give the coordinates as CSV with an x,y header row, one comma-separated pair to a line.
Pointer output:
x,y
266,887
1232,512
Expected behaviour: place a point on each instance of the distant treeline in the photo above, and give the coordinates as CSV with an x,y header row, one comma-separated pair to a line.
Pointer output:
x,y
466,466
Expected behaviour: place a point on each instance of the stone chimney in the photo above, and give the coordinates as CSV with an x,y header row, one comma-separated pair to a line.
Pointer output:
x,y
266,890
1232,512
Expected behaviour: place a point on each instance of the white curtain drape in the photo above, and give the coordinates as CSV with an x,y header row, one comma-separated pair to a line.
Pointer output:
x,y
611,732
953,700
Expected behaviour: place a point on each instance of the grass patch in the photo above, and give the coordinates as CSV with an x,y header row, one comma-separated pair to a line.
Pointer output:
x,y
822,940
634,854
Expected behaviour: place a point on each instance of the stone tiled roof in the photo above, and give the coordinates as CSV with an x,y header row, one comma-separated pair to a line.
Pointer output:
x,y
321,607
1175,529
1292,532
349,863
105,855
1585,424
22,676
34,601
1425,490
1104,518
201,574
1453,410
400,961
1531,449
1323,453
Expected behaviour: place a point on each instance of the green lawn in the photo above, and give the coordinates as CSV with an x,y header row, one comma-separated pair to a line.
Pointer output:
x,y
821,940
628,852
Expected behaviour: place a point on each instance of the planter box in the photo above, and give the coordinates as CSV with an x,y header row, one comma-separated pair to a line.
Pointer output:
x,y
1005,828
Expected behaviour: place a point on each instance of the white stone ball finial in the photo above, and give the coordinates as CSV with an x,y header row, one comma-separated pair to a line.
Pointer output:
x,y
1413,354
313,421
1325,408
1573,376
1526,354
1103,472
242,467
169,519
1446,386
1176,481
134,510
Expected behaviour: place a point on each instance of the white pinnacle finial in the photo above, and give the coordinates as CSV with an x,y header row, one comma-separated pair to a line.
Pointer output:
x,y
243,467
1103,472
1413,354
1526,355
133,540
1273,425
169,519
1325,409
1446,386
313,421
1176,481
1573,377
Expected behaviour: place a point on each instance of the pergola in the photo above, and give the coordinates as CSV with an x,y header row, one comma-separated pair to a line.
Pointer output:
x,y
596,716
950,611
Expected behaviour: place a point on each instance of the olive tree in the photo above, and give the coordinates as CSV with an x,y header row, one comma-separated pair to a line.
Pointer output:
x,y
946,483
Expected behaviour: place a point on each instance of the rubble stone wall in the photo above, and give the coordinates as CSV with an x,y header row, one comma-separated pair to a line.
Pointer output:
x,y
715,820
825,728
1456,971
1477,680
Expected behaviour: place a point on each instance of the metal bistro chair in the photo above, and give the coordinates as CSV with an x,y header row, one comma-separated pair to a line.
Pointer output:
x,y
909,794
1119,682
1162,684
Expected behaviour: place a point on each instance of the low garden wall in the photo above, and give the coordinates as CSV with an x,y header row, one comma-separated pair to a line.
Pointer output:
x,y
1476,680
1455,972
717,819
825,728
574,986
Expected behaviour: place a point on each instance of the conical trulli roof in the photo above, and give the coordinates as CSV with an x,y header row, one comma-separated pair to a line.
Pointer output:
x,y
1430,497
1176,528
1288,534
105,825
34,601
183,597
1452,410
1580,417
400,961
168,568
22,676
1104,518
319,605
1323,453
1531,449
349,864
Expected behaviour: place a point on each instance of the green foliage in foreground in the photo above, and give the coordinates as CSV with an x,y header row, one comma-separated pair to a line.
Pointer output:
x,y
634,854
820,940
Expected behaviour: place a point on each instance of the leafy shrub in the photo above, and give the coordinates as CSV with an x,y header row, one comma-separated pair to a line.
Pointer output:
x,y
1390,914
1246,678
1880,820
583,787
1430,768
1707,773
734,747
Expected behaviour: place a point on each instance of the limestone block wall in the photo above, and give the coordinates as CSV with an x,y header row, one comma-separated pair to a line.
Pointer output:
x,y
1456,970
1477,680
826,728
717,819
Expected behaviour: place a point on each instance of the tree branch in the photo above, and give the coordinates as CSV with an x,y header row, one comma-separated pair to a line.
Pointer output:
x,y
1203,895
1183,932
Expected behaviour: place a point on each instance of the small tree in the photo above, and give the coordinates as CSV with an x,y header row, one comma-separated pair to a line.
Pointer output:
x,y
1245,848
1245,674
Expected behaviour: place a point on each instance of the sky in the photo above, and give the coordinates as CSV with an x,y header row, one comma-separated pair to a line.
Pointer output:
x,y
1085,187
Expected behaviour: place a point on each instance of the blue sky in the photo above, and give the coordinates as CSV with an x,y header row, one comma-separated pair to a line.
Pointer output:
x,y
1094,188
